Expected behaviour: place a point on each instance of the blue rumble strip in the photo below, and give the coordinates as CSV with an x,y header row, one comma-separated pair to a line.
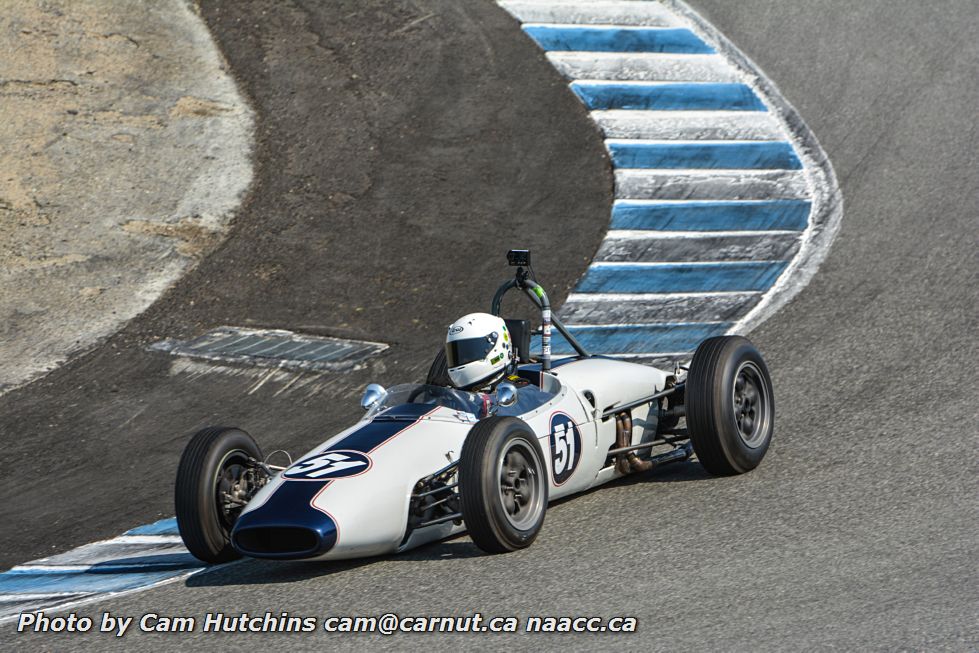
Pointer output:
x,y
681,277
617,39
668,96
140,558
757,155
731,215
162,527
637,339
37,581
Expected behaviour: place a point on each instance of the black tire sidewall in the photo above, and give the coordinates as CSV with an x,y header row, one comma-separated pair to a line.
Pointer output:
x,y
743,457
198,516
516,537
710,405
483,511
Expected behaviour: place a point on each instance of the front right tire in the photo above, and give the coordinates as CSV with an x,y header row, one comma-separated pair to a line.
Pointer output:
x,y
213,463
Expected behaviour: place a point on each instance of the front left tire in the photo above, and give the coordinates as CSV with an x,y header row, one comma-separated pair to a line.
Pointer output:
x,y
212,466
502,484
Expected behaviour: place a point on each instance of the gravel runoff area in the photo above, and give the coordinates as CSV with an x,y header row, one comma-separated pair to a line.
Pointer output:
x,y
124,150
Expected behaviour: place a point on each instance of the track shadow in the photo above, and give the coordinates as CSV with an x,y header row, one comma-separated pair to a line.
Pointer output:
x,y
689,470
262,572
672,473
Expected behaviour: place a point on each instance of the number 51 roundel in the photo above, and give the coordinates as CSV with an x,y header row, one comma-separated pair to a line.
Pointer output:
x,y
565,447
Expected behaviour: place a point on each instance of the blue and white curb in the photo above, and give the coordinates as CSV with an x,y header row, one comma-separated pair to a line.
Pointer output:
x,y
725,204
138,559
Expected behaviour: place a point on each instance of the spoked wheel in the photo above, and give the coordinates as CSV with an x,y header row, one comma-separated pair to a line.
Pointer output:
x,y
752,405
502,484
233,487
215,480
730,405
521,487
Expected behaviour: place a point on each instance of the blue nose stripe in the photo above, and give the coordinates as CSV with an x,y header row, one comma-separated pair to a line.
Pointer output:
x,y
289,508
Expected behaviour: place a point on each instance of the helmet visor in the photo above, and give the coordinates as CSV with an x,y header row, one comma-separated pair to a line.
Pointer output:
x,y
461,352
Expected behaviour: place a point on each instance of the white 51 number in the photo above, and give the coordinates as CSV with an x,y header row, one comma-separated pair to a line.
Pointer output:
x,y
328,463
564,450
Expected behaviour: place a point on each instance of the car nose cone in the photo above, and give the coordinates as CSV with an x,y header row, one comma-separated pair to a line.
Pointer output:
x,y
286,526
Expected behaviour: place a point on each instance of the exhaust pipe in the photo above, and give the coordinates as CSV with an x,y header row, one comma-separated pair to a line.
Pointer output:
x,y
623,435
628,462
635,463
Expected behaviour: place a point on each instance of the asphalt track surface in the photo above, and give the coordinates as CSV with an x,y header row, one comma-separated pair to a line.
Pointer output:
x,y
859,531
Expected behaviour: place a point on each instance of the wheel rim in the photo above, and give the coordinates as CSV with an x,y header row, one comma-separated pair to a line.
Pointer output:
x,y
521,485
752,405
231,481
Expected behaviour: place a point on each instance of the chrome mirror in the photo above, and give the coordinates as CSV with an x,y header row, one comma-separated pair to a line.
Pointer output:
x,y
506,394
373,395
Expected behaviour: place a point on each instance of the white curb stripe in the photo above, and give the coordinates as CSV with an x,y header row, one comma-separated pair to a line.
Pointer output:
x,y
643,66
654,309
732,247
688,125
711,184
585,12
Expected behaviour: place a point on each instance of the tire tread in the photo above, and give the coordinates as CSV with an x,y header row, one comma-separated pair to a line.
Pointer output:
x,y
701,420
476,506
188,503
474,453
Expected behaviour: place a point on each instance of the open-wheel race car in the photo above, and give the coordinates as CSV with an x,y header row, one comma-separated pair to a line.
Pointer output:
x,y
429,461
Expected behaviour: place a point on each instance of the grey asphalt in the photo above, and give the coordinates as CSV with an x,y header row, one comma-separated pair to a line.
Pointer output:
x,y
859,530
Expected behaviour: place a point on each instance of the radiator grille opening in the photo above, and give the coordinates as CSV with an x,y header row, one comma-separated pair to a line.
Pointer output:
x,y
276,540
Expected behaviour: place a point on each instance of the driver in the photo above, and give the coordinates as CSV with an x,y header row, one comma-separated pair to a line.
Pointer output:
x,y
478,352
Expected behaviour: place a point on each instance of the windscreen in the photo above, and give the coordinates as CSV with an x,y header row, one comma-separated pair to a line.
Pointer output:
x,y
411,393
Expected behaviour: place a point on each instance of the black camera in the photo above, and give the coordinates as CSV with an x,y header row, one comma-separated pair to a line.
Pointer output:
x,y
518,257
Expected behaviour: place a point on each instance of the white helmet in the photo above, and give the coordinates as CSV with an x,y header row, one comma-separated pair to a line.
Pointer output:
x,y
478,350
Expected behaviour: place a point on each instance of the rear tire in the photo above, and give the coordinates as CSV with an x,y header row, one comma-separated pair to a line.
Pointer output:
x,y
502,484
730,405
213,456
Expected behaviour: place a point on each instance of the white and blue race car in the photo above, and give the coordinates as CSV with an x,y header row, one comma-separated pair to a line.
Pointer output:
x,y
428,462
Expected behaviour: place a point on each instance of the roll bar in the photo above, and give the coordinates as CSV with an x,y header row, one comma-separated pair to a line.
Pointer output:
x,y
535,292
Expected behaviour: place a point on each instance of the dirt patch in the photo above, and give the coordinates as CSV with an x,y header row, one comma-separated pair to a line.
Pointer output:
x,y
195,238
198,107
